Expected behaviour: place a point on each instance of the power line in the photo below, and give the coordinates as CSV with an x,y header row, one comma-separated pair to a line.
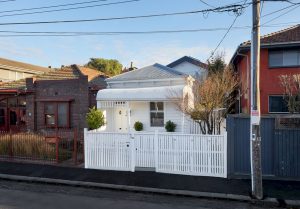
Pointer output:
x,y
223,38
207,4
271,20
73,8
231,8
52,6
93,33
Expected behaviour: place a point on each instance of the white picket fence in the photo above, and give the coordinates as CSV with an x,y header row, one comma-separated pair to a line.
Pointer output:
x,y
185,154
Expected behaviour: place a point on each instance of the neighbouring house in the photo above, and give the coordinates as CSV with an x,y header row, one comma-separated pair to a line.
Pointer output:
x,y
191,66
57,99
11,70
280,55
149,95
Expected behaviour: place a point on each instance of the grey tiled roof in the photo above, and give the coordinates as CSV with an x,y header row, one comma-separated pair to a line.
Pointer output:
x,y
189,59
156,71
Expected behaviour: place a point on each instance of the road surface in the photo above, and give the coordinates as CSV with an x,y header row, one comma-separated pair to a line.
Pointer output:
x,y
21,195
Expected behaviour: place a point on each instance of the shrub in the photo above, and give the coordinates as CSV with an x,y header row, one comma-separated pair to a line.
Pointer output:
x,y
170,126
95,119
138,126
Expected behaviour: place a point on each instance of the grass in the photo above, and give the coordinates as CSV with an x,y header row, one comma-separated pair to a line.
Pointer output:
x,y
30,146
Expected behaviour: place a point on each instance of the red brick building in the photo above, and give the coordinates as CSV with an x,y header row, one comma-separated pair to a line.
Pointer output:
x,y
58,99
280,54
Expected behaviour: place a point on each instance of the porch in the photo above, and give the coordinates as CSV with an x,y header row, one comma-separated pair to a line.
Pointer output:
x,y
152,106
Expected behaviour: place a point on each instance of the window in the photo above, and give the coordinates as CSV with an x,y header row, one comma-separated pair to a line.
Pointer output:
x,y
2,117
284,58
57,114
277,104
156,114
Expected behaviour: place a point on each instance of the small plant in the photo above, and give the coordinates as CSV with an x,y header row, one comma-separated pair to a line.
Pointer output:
x,y
138,126
170,126
95,119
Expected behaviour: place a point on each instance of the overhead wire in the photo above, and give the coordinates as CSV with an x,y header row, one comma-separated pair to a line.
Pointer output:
x,y
231,8
68,9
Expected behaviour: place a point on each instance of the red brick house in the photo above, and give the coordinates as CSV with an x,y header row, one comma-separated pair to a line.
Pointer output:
x,y
280,54
58,99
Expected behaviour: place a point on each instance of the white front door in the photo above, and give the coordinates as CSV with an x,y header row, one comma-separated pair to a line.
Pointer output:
x,y
121,120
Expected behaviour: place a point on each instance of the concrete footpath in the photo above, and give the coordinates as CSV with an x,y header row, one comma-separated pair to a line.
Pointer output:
x,y
284,192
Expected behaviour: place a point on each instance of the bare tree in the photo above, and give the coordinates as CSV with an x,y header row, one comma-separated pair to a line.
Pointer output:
x,y
213,99
291,90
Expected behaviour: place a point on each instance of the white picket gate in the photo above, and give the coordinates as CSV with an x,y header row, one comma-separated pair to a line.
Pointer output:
x,y
108,151
185,154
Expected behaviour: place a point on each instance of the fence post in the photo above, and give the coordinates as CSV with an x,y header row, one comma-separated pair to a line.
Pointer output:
x,y
56,146
225,154
132,144
75,146
10,144
85,144
156,150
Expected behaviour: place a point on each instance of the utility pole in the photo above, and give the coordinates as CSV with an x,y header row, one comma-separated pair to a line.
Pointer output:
x,y
255,137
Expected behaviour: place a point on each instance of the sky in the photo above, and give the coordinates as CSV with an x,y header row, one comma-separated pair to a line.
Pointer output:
x,y
142,50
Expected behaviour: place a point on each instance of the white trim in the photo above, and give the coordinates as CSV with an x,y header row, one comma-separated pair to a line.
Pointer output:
x,y
146,80
164,112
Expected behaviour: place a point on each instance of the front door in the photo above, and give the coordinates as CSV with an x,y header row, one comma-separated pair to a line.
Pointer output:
x,y
13,116
3,119
121,120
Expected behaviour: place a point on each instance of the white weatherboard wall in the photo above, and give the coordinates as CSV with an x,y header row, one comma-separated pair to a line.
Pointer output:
x,y
140,111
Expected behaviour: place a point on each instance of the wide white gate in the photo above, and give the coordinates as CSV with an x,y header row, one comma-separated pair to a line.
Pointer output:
x,y
108,151
185,154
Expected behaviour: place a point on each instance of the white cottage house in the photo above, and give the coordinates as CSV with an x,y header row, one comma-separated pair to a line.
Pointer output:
x,y
148,95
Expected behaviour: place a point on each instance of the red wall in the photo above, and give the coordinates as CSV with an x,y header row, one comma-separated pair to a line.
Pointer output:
x,y
269,81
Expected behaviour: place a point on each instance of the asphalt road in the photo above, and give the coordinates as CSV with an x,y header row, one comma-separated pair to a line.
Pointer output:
x,y
21,195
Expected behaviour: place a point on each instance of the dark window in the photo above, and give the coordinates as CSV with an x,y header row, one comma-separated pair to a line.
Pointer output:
x,y
284,58
157,114
2,117
57,114
277,104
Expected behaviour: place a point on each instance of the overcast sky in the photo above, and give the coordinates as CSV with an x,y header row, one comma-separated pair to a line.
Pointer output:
x,y
141,49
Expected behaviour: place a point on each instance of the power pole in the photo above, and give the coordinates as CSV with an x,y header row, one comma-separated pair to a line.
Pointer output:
x,y
255,138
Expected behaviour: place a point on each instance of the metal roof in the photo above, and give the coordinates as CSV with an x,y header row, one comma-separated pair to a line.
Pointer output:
x,y
156,71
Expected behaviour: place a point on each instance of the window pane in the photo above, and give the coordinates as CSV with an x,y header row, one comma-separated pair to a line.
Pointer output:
x,y
157,119
49,108
62,114
156,106
290,58
50,120
275,58
277,104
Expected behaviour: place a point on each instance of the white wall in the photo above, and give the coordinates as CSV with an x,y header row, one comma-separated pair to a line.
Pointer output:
x,y
191,69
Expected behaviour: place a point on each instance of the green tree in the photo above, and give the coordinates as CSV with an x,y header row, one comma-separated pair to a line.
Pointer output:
x,y
110,67
95,119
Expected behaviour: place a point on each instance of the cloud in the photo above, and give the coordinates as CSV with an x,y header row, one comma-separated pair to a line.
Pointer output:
x,y
12,50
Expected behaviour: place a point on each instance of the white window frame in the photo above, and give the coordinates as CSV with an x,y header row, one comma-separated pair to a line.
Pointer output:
x,y
158,111
282,65
272,95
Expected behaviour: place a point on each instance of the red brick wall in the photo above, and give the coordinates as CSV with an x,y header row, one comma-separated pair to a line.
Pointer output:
x,y
269,81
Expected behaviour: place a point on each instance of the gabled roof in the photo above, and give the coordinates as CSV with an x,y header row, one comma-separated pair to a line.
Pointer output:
x,y
287,35
21,66
65,73
156,71
189,59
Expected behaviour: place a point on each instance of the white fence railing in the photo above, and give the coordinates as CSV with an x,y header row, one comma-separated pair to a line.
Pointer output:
x,y
186,154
